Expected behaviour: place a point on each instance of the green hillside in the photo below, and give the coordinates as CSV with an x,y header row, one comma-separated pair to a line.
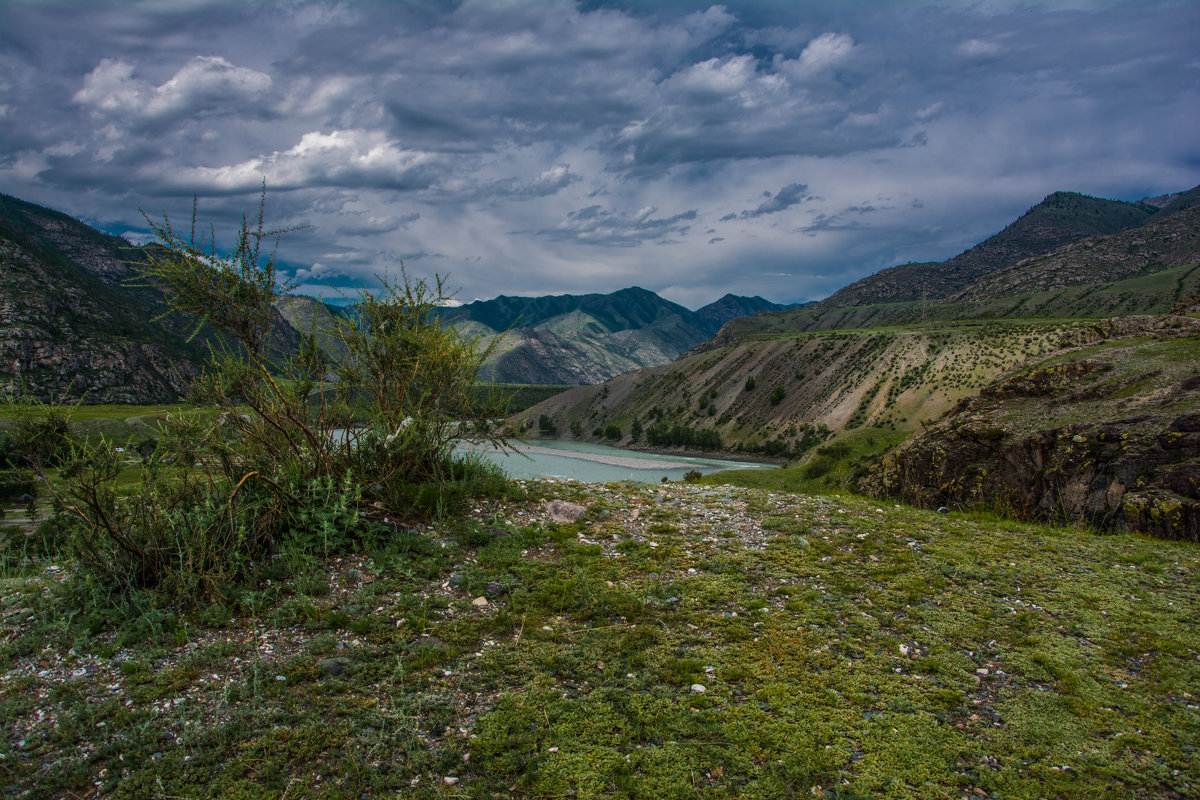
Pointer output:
x,y
1153,293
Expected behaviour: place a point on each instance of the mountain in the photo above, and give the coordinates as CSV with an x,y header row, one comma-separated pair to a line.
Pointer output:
x,y
1061,218
1092,277
70,327
1162,243
76,323
731,306
586,339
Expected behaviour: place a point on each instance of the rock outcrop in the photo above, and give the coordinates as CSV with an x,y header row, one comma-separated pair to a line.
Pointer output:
x,y
1107,434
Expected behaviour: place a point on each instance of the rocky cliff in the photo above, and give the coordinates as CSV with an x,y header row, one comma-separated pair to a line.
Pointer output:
x,y
77,324
1105,433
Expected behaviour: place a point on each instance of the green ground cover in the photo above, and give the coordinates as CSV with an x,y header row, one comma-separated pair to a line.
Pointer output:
x,y
829,468
684,641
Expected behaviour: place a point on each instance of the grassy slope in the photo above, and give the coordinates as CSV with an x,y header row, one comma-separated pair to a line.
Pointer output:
x,y
884,377
843,646
119,423
830,468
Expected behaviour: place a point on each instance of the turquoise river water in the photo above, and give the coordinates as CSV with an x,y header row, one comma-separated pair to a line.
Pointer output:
x,y
553,458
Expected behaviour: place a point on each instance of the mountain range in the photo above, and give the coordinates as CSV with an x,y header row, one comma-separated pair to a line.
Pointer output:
x,y
75,323
910,357
587,339
1053,366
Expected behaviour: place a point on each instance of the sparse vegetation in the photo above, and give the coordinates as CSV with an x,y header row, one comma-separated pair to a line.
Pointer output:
x,y
717,642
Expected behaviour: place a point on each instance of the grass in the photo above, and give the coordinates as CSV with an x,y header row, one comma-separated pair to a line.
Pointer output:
x,y
845,648
121,424
829,468
1138,384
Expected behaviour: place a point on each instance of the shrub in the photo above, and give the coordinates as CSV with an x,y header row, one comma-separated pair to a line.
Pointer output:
x,y
777,395
816,467
307,451
612,432
546,425
750,384
660,434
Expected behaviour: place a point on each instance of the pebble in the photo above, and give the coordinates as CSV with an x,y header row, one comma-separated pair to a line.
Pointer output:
x,y
562,511
698,688
479,602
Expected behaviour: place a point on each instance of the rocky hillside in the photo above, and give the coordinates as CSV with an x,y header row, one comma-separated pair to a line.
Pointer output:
x,y
69,326
1174,290
76,325
773,395
1142,270
586,339
1105,433
1161,244
1060,219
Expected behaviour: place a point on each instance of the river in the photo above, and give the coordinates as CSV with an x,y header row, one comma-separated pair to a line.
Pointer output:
x,y
594,463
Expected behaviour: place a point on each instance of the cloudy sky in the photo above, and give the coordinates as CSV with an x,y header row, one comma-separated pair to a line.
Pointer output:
x,y
774,148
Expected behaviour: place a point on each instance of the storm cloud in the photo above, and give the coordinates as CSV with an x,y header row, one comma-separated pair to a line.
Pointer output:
x,y
530,148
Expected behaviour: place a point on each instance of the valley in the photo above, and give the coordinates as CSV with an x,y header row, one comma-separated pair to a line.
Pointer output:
x,y
885,612
810,386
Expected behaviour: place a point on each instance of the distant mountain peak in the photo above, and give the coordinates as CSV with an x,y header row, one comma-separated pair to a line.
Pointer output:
x,y
1058,220
592,337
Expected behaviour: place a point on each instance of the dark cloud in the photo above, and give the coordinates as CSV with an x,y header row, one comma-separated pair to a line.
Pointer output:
x,y
468,130
370,226
790,195
594,225
848,219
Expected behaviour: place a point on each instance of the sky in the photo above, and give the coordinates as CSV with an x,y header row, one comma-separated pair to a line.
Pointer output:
x,y
783,149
